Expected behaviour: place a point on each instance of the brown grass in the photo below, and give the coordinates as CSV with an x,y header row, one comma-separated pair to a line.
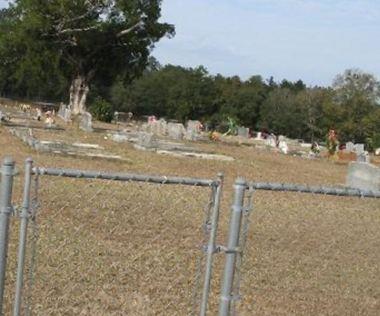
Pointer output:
x,y
131,249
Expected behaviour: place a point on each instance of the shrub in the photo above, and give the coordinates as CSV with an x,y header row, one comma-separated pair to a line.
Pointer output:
x,y
102,110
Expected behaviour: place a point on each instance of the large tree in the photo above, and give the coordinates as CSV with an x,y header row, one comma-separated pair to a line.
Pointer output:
x,y
86,40
357,96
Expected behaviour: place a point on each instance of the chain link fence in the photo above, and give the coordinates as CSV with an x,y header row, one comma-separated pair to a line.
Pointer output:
x,y
301,248
127,244
115,244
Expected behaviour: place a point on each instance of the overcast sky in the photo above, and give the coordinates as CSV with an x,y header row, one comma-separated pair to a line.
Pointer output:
x,y
309,39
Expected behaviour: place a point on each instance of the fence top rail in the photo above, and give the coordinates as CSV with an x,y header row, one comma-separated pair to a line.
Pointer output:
x,y
285,187
90,174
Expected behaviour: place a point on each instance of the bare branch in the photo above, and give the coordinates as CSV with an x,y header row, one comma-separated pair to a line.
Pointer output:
x,y
131,29
84,29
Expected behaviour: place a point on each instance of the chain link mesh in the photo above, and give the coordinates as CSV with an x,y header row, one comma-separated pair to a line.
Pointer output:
x,y
102,247
311,253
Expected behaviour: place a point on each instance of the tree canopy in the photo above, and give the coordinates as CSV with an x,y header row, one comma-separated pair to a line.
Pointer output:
x,y
351,105
79,41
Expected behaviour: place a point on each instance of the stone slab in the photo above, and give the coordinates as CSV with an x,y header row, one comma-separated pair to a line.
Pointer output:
x,y
363,176
195,155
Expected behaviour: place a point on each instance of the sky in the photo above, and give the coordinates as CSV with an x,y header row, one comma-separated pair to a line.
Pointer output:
x,y
312,40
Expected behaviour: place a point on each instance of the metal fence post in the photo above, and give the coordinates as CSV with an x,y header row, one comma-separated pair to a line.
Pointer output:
x,y
211,244
7,174
232,247
23,235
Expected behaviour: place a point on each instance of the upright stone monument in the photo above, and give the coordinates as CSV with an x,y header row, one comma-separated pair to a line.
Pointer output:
x,y
363,176
243,132
157,127
85,122
350,147
176,131
193,130
64,112
147,140
359,149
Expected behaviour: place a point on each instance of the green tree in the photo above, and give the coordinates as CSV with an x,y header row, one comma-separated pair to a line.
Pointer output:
x,y
356,98
85,40
172,91
313,102
283,114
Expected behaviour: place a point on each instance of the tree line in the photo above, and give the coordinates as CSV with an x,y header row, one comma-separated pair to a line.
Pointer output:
x,y
350,105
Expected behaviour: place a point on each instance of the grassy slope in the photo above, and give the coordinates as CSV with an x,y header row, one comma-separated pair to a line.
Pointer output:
x,y
119,249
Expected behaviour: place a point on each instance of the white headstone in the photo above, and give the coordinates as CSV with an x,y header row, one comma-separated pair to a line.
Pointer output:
x,y
283,147
193,130
157,127
243,132
363,176
350,147
363,157
147,140
85,123
359,149
271,141
176,131
64,112
259,136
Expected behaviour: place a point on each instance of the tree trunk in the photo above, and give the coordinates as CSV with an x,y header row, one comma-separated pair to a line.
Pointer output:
x,y
78,94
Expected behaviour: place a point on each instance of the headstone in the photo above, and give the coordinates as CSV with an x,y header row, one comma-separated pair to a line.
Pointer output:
x,y
176,131
363,157
359,149
283,146
157,127
193,130
243,132
271,141
85,123
147,140
162,127
64,112
350,147
123,116
363,176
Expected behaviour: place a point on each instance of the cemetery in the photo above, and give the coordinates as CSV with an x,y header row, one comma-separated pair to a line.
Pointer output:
x,y
53,133
160,147
194,158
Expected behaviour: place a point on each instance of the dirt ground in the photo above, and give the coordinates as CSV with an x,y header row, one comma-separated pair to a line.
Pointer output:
x,y
107,248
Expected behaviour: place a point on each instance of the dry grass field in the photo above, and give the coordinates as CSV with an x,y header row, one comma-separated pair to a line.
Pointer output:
x,y
132,249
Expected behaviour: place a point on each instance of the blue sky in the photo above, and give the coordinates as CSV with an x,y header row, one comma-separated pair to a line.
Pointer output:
x,y
309,39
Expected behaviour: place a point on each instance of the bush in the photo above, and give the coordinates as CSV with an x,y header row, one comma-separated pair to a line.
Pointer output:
x,y
373,142
102,110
